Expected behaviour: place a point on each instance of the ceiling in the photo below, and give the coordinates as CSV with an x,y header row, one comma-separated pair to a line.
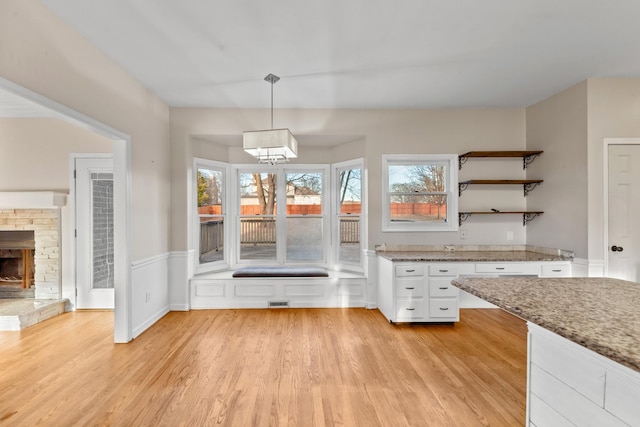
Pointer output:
x,y
361,53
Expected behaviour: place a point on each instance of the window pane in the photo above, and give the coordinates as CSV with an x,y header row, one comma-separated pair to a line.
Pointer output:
x,y
211,238
257,193
258,238
410,208
350,196
349,250
304,193
210,211
427,178
209,191
304,239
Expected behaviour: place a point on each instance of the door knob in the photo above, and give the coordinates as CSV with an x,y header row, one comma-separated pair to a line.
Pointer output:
x,y
615,248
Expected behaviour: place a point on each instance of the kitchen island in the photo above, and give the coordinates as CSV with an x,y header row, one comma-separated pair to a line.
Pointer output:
x,y
584,346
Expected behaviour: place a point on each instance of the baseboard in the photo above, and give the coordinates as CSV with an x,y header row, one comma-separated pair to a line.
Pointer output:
x,y
180,307
150,321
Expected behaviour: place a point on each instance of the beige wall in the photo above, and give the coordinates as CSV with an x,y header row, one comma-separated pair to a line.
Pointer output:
x,y
34,153
558,125
381,132
614,112
44,55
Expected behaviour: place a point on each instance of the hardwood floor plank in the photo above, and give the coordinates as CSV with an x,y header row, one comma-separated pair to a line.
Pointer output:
x,y
278,367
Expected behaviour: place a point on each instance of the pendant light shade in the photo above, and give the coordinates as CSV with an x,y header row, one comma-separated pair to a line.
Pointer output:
x,y
270,146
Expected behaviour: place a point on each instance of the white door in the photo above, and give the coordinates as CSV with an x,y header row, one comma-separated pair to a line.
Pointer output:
x,y
624,212
94,233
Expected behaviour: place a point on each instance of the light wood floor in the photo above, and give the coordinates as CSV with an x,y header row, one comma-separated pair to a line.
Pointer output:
x,y
297,367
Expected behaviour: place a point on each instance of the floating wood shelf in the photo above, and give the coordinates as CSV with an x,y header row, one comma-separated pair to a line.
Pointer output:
x,y
527,156
527,216
527,184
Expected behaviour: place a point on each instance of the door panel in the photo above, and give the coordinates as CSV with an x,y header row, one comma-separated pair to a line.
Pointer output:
x,y
94,233
624,210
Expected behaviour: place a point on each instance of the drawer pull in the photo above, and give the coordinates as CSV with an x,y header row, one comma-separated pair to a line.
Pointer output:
x,y
443,287
410,271
410,309
499,268
412,288
443,271
556,271
444,308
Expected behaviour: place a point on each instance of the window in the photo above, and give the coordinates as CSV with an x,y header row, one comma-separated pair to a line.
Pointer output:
x,y
282,215
211,213
258,208
305,234
419,193
349,202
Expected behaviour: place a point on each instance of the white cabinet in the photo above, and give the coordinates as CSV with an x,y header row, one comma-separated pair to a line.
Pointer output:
x,y
417,292
571,385
422,291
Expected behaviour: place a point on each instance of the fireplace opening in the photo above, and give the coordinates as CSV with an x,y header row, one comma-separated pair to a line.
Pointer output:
x,y
17,265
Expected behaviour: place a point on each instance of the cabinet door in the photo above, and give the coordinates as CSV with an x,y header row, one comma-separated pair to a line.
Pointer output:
x,y
442,287
410,288
443,308
409,310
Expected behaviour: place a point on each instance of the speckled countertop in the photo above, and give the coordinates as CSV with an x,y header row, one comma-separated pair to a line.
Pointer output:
x,y
600,314
470,256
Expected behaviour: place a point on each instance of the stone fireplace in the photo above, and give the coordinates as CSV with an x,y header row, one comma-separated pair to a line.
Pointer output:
x,y
34,219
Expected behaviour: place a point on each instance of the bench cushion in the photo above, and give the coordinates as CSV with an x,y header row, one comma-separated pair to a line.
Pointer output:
x,y
281,271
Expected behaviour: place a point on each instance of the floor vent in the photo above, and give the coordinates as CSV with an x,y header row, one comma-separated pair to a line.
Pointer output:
x,y
278,304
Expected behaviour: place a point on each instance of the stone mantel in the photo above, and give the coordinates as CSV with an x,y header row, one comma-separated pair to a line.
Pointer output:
x,y
32,199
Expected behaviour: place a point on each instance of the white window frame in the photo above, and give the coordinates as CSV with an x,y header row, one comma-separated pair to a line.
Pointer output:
x,y
280,215
335,213
451,161
225,262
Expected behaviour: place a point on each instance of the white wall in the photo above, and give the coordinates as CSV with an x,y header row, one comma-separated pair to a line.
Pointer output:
x,y
34,153
41,53
614,112
377,132
558,125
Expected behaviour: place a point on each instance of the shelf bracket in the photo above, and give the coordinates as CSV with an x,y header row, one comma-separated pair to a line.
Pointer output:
x,y
527,160
461,187
461,161
528,187
462,217
528,217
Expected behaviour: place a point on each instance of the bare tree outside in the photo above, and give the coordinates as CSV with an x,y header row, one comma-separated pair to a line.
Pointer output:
x,y
431,178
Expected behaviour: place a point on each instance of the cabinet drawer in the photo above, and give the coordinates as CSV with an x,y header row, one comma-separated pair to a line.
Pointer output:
x,y
409,310
443,270
442,287
556,270
409,270
492,267
443,308
410,288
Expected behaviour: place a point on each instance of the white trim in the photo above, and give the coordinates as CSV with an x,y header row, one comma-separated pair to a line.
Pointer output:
x,y
150,321
122,201
580,267
150,260
605,191
226,171
334,207
32,200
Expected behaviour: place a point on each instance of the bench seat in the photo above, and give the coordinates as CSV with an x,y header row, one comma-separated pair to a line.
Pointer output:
x,y
281,271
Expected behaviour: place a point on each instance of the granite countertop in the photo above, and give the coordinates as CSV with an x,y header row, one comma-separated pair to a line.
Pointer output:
x,y
601,314
470,256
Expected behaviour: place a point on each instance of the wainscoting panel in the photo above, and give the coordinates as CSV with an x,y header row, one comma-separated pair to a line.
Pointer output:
x,y
149,292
